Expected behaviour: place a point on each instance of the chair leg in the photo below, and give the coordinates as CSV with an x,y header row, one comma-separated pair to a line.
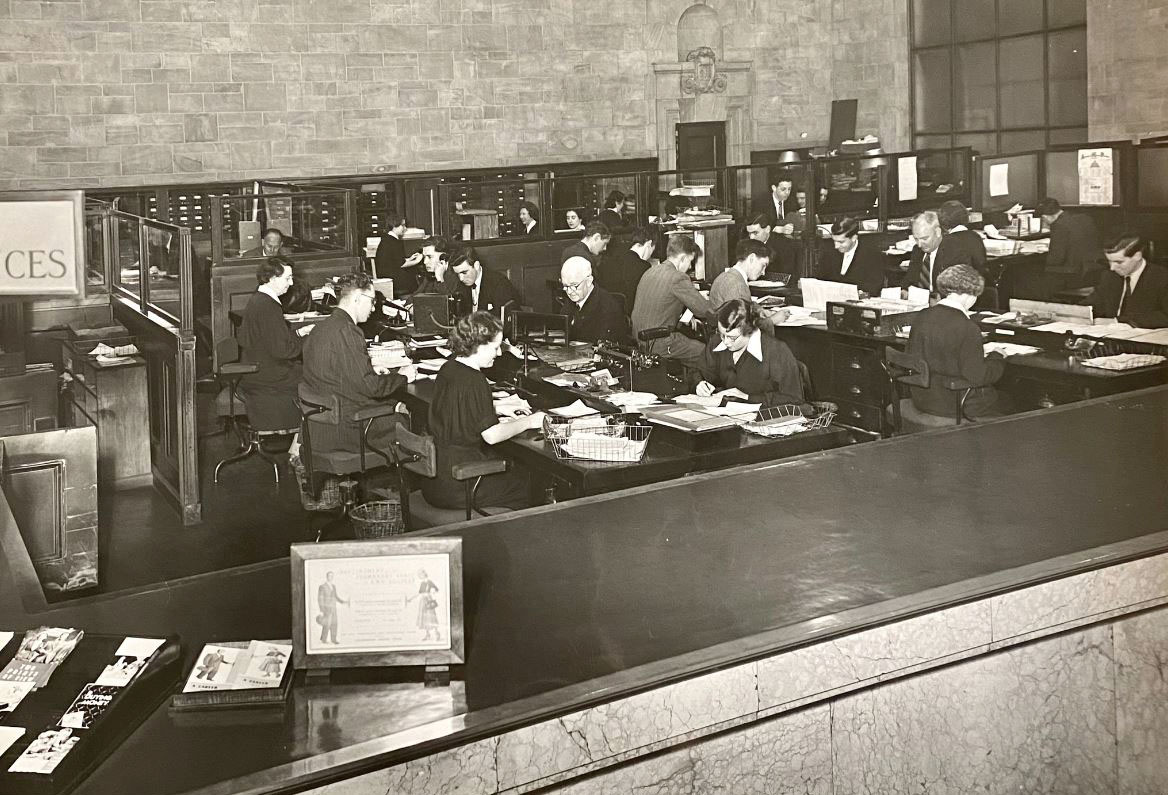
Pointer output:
x,y
252,447
275,462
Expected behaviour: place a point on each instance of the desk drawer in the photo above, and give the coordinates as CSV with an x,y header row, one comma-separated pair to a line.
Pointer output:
x,y
856,374
860,416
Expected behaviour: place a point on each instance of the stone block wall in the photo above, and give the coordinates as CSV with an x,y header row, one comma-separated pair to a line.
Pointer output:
x,y
121,92
1127,94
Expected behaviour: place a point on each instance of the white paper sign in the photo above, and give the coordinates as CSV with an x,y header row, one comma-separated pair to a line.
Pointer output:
x,y
999,179
38,247
1095,176
906,174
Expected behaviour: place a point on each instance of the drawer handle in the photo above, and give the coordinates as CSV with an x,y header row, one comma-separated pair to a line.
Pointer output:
x,y
855,390
855,365
855,415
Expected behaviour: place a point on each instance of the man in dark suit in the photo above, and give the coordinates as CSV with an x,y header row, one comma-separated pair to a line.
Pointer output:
x,y
482,289
784,251
591,246
391,261
781,206
436,260
925,264
851,260
1133,290
612,214
621,269
337,363
1075,257
594,313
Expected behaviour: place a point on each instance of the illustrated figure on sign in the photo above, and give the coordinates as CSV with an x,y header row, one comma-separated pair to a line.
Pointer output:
x,y
327,600
210,665
272,662
427,607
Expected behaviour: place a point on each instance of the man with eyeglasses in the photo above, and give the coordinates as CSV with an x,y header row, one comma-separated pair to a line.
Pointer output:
x,y
337,363
593,312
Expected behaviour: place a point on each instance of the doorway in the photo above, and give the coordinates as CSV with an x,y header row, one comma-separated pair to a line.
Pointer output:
x,y
701,148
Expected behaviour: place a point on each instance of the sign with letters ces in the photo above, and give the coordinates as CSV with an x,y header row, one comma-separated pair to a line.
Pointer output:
x,y
42,243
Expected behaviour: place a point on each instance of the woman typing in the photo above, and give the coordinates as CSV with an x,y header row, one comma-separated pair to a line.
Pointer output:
x,y
951,344
463,421
745,364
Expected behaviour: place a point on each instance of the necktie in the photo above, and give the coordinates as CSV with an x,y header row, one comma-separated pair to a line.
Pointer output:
x,y
474,297
927,272
782,213
1126,294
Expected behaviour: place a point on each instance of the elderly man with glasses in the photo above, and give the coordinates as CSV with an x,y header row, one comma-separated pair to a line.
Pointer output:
x,y
594,313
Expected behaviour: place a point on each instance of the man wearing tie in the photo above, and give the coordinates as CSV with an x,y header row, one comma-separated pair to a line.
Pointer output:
x,y
482,289
1134,291
593,312
923,262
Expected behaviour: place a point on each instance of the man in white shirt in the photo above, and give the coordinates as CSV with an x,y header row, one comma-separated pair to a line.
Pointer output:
x,y
922,271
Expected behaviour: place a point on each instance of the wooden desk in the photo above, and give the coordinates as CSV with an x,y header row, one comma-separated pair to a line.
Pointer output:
x,y
478,224
569,478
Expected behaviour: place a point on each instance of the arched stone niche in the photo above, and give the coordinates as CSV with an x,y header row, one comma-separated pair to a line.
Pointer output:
x,y
699,26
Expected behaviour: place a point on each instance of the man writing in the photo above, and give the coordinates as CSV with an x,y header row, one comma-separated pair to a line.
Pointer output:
x,y
751,262
336,363
663,295
621,269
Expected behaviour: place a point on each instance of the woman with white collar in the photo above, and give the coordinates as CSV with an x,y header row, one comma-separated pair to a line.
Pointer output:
x,y
951,344
742,363
528,218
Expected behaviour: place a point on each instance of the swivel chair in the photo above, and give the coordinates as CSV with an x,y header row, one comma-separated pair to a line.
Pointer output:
x,y
904,368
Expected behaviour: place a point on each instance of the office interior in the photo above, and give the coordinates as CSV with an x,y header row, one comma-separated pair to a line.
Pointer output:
x,y
875,598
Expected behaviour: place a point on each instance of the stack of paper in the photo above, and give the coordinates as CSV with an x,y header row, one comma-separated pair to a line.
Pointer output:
x,y
576,409
511,406
802,316
1124,361
817,292
388,355
1009,349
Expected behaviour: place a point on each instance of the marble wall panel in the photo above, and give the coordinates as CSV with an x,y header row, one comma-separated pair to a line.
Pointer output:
x,y
788,755
1035,718
1141,696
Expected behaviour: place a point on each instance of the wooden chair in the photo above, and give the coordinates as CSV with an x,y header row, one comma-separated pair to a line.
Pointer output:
x,y
415,454
904,368
320,409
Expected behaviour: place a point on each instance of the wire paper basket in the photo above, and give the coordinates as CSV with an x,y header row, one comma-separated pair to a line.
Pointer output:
x,y
788,420
606,438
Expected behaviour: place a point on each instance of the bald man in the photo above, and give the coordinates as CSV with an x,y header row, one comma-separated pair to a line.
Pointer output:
x,y
595,314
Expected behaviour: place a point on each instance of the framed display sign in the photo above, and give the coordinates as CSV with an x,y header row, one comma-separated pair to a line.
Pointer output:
x,y
42,242
374,603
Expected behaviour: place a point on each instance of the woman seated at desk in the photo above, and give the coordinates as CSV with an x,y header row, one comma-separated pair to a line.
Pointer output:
x,y
951,344
746,364
463,420
267,341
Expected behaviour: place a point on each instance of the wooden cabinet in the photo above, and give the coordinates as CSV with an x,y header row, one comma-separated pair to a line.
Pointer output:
x,y
113,398
846,370
28,401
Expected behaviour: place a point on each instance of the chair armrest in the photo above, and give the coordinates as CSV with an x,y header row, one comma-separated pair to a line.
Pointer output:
x,y
372,412
953,382
238,368
475,469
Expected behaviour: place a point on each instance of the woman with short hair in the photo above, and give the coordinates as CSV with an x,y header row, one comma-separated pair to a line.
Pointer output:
x,y
463,419
528,217
742,363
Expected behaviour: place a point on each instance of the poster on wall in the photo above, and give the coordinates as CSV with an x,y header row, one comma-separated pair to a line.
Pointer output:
x,y
1096,176
42,243
392,602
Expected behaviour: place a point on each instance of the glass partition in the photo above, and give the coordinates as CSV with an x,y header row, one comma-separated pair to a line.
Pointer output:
x,y
1152,188
1085,177
924,179
576,200
849,186
97,247
1006,180
491,209
153,267
310,221
125,270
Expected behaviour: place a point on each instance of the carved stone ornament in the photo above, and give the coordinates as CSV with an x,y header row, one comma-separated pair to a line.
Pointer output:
x,y
705,78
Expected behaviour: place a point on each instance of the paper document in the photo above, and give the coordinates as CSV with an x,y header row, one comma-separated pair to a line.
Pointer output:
x,y
512,406
906,172
577,409
816,293
1000,179
1095,176
1124,361
1009,349
1155,337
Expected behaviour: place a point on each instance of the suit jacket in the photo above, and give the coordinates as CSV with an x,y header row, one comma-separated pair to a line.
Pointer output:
x,y
620,271
959,248
448,286
866,270
391,253
495,290
663,294
336,363
784,254
730,284
767,207
1074,246
1146,307
611,219
578,249
601,318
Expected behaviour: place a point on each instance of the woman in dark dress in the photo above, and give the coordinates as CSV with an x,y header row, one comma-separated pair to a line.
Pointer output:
x,y
742,363
266,340
529,218
463,420
951,344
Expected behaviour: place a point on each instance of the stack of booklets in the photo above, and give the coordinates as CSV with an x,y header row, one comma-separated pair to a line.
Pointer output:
x,y
41,652
237,674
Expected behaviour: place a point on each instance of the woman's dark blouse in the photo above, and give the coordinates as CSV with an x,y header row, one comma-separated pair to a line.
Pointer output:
x,y
774,381
951,344
459,413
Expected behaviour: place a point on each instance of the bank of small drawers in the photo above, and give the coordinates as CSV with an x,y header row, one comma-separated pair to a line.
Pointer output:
x,y
858,385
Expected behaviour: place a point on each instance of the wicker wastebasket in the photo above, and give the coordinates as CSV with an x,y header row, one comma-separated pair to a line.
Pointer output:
x,y
378,519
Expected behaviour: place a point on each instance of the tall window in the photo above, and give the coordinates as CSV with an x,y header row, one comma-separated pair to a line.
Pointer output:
x,y
999,75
